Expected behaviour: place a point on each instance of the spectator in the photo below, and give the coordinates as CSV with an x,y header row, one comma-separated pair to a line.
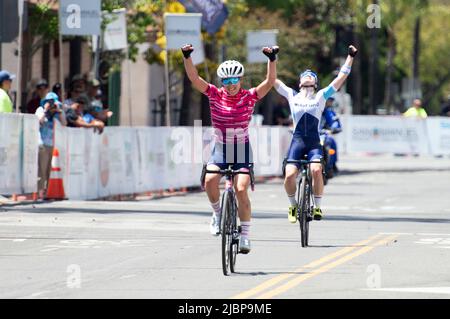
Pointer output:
x,y
416,110
94,93
75,116
6,78
74,94
57,88
50,110
39,94
96,110
446,108
282,112
78,81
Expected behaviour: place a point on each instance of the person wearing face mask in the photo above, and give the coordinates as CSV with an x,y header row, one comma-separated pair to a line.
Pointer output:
x,y
307,107
231,109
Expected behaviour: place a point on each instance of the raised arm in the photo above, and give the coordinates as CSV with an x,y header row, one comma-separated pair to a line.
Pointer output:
x,y
283,89
345,69
191,70
266,85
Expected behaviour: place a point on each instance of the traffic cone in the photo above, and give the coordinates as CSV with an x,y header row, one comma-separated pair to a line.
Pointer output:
x,y
55,188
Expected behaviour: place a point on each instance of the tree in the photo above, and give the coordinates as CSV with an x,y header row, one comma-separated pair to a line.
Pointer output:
x,y
434,64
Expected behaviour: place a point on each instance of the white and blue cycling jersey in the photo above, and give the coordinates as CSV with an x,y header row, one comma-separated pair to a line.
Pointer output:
x,y
306,111
306,114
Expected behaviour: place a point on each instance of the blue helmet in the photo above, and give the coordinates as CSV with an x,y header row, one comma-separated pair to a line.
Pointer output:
x,y
312,74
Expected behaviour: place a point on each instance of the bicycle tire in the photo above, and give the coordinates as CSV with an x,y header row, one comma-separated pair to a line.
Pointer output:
x,y
300,212
307,212
225,230
234,245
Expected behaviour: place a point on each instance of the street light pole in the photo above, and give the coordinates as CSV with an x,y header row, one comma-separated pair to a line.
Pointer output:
x,y
20,5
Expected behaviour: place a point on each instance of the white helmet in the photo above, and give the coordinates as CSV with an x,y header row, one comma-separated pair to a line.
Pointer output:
x,y
230,69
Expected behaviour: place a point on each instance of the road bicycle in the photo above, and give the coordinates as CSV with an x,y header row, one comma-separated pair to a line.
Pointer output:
x,y
305,197
229,226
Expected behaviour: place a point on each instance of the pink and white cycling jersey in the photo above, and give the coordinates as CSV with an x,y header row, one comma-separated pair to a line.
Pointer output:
x,y
231,115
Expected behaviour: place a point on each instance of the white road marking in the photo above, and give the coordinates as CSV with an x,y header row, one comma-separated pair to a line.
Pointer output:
x,y
95,244
427,290
38,294
397,208
18,240
408,234
127,277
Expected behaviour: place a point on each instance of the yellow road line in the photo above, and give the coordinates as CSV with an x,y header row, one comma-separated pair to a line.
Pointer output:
x,y
299,279
272,282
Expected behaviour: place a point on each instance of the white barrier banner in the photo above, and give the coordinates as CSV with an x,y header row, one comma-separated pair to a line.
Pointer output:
x,y
439,135
19,149
30,153
10,148
384,134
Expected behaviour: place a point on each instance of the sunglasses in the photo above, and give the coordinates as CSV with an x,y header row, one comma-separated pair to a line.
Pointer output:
x,y
229,81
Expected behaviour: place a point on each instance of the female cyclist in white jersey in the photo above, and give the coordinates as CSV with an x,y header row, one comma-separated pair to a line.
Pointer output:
x,y
306,108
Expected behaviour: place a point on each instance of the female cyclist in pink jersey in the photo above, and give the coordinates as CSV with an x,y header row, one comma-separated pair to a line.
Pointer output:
x,y
231,111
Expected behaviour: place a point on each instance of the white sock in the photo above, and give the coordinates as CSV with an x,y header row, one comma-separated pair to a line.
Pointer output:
x,y
245,229
292,200
216,208
318,200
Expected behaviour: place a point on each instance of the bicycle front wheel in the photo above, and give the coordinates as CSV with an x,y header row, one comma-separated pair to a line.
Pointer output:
x,y
234,238
226,232
303,211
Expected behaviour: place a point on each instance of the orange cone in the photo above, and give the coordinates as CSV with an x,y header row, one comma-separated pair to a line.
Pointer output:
x,y
55,183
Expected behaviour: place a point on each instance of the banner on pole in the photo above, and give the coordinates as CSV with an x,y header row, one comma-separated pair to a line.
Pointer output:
x,y
214,13
256,40
116,31
184,29
80,17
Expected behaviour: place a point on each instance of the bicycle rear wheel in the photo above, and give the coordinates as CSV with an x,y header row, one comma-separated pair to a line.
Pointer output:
x,y
226,232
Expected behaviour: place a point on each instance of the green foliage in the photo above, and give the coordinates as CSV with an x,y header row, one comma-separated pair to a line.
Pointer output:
x,y
43,21
303,38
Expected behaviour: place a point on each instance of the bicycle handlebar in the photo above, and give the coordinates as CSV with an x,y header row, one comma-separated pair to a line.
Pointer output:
x,y
227,172
300,162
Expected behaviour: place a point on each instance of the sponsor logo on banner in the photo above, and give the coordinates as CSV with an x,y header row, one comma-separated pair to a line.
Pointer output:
x,y
80,17
385,134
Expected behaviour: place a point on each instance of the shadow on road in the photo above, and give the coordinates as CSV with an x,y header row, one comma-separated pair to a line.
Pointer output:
x,y
350,218
329,217
392,170
263,273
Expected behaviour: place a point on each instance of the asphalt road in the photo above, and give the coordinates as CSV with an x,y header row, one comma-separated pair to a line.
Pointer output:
x,y
386,234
